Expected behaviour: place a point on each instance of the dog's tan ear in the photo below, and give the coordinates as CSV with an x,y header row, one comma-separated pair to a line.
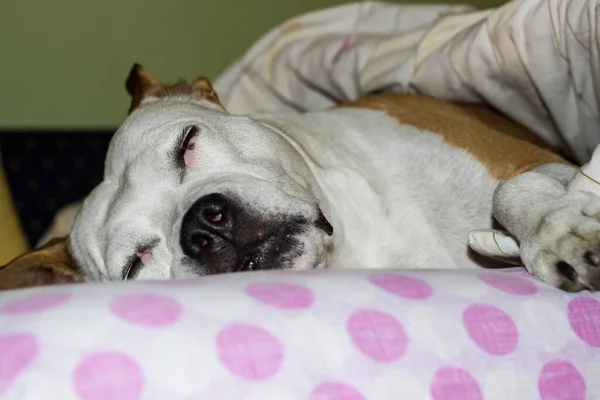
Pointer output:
x,y
203,89
48,265
140,85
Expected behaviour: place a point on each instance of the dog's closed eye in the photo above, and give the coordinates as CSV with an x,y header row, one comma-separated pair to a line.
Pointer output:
x,y
138,261
133,268
188,145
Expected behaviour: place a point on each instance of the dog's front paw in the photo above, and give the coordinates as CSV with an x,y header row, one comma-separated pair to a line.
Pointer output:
x,y
564,249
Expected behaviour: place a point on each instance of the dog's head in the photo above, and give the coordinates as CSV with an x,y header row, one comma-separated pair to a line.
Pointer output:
x,y
190,189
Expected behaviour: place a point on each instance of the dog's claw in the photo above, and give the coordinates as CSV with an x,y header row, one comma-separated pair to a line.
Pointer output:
x,y
564,251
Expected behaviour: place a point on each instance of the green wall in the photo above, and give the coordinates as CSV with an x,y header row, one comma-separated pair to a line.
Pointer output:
x,y
63,62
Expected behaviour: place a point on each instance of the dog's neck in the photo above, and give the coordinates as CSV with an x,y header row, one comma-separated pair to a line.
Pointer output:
x,y
315,174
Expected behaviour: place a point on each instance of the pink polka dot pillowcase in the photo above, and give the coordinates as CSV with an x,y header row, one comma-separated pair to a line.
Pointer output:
x,y
317,335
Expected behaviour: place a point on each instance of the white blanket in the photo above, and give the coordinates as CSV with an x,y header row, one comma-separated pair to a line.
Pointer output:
x,y
534,60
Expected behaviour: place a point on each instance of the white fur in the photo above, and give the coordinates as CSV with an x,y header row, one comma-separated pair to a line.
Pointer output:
x,y
552,225
395,195
500,245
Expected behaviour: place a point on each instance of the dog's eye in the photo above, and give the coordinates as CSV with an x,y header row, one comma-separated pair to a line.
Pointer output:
x,y
133,268
188,145
190,132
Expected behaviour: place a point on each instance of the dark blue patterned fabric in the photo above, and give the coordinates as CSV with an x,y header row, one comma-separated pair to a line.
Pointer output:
x,y
48,170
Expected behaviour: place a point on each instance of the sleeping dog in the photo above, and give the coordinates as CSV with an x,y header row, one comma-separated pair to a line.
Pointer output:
x,y
388,181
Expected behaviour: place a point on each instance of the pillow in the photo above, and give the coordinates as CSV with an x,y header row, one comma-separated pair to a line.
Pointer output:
x,y
313,335
62,223
12,239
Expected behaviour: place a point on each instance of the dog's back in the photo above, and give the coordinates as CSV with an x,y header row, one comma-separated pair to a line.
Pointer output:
x,y
408,176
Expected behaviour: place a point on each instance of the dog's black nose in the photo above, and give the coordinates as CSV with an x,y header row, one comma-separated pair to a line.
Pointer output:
x,y
207,226
223,234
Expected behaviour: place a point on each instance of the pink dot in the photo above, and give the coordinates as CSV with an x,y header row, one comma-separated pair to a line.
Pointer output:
x,y
146,309
335,391
249,351
403,286
17,352
37,302
377,335
584,316
491,328
454,384
560,380
509,284
281,295
108,376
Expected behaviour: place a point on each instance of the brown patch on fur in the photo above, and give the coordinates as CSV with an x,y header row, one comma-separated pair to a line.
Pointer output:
x,y
142,85
48,265
506,148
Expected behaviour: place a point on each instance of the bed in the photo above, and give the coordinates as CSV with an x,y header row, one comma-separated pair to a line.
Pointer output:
x,y
347,335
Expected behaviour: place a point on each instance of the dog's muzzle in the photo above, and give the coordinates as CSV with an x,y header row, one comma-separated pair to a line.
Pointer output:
x,y
220,234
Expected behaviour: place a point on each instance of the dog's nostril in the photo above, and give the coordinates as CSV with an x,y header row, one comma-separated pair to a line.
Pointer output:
x,y
215,217
200,240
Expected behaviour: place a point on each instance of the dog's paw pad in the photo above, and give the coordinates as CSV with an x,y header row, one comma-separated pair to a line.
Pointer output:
x,y
564,250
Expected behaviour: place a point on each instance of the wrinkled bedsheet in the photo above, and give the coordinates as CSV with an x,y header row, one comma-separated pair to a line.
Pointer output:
x,y
536,61
315,335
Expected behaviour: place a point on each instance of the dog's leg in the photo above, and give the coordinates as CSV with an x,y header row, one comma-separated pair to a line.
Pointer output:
x,y
558,230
